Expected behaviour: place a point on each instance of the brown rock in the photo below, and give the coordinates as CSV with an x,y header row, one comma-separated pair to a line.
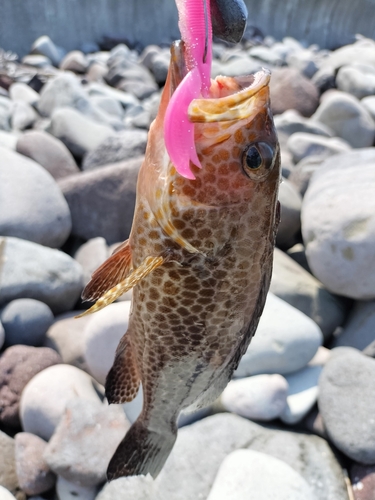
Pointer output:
x,y
8,475
363,481
18,364
291,90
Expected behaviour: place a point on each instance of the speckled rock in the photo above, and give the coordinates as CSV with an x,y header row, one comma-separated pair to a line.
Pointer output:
x,y
18,365
290,222
359,329
8,475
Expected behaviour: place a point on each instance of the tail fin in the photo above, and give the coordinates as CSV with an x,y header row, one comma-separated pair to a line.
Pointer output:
x,y
142,451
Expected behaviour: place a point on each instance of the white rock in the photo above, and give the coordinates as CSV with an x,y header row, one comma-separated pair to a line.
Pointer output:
x,y
6,494
369,104
262,397
91,255
102,335
8,140
302,393
19,91
303,144
45,397
67,490
356,79
246,474
23,116
45,46
132,488
285,341
359,330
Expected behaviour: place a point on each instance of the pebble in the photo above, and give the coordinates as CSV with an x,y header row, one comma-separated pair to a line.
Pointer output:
x,y
37,61
349,120
20,91
109,105
359,330
34,271
66,490
85,440
261,397
91,255
132,487
117,148
285,341
23,116
345,401
74,61
49,152
301,290
126,99
302,172
8,140
18,365
291,121
33,472
338,226
304,61
8,475
45,397
88,193
45,47
369,104
356,79
247,473
160,66
5,113
363,481
5,494
290,223
236,67
302,145
25,321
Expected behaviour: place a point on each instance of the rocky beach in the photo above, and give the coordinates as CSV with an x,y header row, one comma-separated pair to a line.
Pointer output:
x,y
297,422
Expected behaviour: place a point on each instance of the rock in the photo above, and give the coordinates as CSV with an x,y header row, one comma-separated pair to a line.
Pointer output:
x,y
345,402
91,255
356,79
33,473
301,290
369,104
362,52
37,61
67,490
45,397
289,89
349,120
65,336
302,145
79,133
23,116
31,204
40,273
359,330
137,117
304,61
339,236
127,100
302,394
363,481
25,321
109,104
5,494
8,140
49,152
302,172
247,473
141,90
45,47
267,55
261,397
18,365
5,113
285,341
117,148
160,66
134,487
88,193
2,336
19,91
74,61
236,67
96,72
85,440
290,222
60,92
8,475
102,335
291,122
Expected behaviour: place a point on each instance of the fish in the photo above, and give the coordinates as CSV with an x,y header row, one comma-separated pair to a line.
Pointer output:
x,y
199,258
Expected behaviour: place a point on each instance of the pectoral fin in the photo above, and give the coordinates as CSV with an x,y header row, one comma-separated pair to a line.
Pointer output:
x,y
148,265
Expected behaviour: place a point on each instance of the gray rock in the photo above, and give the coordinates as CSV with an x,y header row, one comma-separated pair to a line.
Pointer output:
x,y
88,193
40,273
45,46
285,341
91,255
25,321
116,148
290,223
345,401
369,104
134,487
31,204
141,90
338,228
5,113
304,61
66,490
45,397
237,67
247,473
37,61
18,364
137,117
79,133
23,116
302,145
302,172
8,140
349,120
301,290
33,472
298,254
160,66
356,79
19,91
363,481
74,61
267,55
85,440
127,100
109,105
96,72
49,152
362,52
291,122
8,475
359,330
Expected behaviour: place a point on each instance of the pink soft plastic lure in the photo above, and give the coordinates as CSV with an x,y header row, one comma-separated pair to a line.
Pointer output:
x,y
196,32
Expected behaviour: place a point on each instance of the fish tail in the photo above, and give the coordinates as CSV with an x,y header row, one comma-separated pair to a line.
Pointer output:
x,y
142,451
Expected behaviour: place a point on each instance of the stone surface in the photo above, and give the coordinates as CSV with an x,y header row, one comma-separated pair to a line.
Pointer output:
x,y
5,494
19,91
291,121
74,61
66,490
33,473
290,223
262,397
345,401
45,46
8,475
304,61
301,290
302,145
8,140
85,441
338,226
23,116
26,321
117,148
5,113
91,255
247,473
45,397
40,273
359,329
285,341
349,120
363,481
87,195
356,79
302,172
31,204
134,487
18,365
49,152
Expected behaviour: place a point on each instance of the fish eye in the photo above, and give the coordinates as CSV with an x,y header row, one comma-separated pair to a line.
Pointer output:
x,y
258,160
